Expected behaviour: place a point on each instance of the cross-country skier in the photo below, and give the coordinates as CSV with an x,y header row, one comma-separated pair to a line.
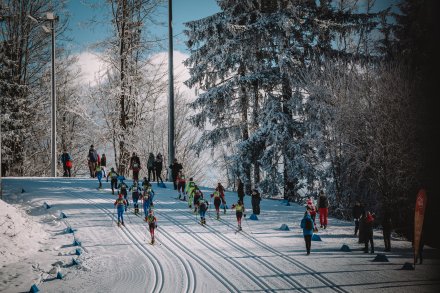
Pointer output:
x,y
147,200
120,205
190,188
135,192
181,181
203,207
197,195
152,224
307,226
217,201
98,174
122,188
221,190
113,179
239,212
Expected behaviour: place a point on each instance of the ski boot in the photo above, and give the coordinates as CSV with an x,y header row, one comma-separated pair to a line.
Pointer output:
x,y
100,185
152,240
204,221
119,224
224,211
123,223
218,216
180,195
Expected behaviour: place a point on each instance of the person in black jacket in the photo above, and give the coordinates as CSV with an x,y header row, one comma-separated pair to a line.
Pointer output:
x,y
175,169
358,210
386,228
323,209
135,165
66,160
103,165
158,165
255,198
240,190
150,166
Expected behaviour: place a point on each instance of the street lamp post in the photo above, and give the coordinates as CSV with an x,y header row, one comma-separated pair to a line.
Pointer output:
x,y
51,18
170,89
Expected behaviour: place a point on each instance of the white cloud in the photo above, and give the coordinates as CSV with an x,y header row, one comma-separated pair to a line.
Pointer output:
x,y
91,65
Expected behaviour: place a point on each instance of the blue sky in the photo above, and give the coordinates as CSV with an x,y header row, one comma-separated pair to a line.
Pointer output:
x,y
84,33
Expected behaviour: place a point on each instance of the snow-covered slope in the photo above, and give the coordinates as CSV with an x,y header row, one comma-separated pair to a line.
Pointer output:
x,y
187,257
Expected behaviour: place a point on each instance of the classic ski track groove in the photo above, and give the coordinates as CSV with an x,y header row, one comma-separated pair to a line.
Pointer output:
x,y
290,280
158,285
312,272
249,274
189,270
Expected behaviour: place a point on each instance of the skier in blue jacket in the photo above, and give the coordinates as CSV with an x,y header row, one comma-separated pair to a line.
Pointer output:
x,y
120,204
307,226
135,193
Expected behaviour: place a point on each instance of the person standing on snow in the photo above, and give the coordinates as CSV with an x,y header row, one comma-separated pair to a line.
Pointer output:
x,y
181,182
122,187
175,167
120,203
152,224
150,167
358,210
158,165
255,199
197,196
92,159
190,190
217,201
323,209
135,165
240,190
135,192
113,179
66,160
312,210
239,212
103,165
203,207
98,174
366,230
307,226
147,199
221,191
386,228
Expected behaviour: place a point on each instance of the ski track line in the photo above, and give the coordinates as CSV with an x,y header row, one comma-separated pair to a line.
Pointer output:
x,y
290,280
158,269
249,274
215,273
317,275
189,270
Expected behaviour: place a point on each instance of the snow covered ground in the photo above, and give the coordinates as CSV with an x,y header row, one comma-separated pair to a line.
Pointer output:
x,y
35,245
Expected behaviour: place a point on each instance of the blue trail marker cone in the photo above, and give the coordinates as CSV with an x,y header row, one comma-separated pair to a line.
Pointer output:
x,y
253,217
284,227
345,248
78,251
69,230
22,190
76,243
381,257
63,215
34,289
408,267
59,275
46,205
76,261
316,237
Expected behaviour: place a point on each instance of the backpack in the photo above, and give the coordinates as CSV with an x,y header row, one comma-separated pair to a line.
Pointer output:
x,y
309,224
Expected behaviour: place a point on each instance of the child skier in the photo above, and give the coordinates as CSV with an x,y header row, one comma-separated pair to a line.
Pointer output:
x,y
98,174
181,181
307,226
135,192
221,191
197,196
113,179
122,187
120,205
217,200
203,207
190,188
152,224
239,211
147,200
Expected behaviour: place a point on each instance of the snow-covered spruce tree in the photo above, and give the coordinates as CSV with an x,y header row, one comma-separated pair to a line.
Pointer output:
x,y
246,59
